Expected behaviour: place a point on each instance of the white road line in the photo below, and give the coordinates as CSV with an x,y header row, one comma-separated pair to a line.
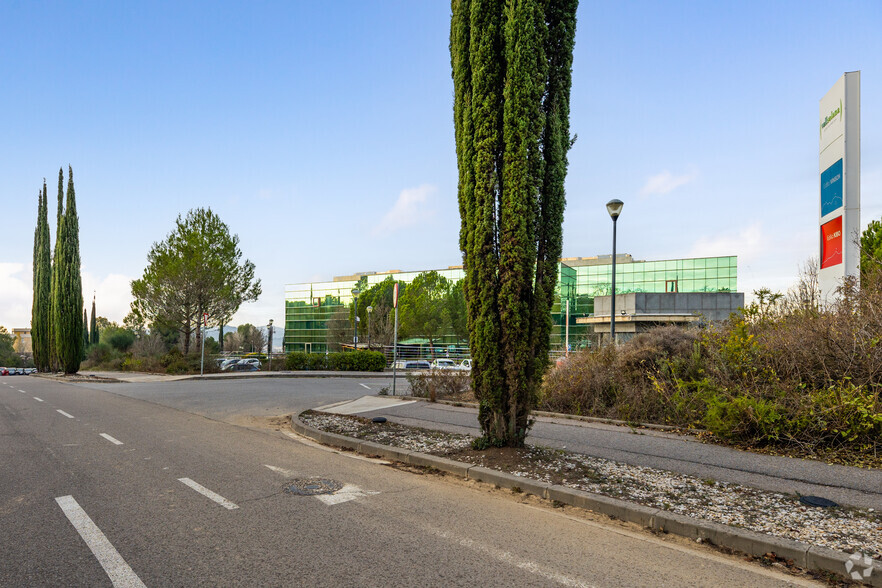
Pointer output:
x,y
364,385
345,494
311,443
208,493
22,391
509,558
70,416
111,439
38,399
283,471
114,565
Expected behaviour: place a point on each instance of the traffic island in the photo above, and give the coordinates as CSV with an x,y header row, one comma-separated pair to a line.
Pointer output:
x,y
661,501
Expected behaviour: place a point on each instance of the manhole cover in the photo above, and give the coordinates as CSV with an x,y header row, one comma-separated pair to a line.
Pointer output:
x,y
817,501
313,486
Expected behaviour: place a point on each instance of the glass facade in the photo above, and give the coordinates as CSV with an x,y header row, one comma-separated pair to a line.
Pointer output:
x,y
314,309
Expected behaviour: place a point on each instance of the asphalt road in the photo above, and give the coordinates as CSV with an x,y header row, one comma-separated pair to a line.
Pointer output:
x,y
101,489
234,400
678,453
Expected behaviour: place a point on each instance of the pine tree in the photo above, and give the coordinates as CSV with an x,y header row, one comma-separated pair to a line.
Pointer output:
x,y
93,326
40,317
67,289
511,65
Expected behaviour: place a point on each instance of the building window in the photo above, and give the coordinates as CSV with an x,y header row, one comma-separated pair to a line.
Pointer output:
x,y
671,286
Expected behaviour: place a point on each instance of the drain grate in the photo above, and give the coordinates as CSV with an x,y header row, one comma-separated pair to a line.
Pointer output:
x,y
312,486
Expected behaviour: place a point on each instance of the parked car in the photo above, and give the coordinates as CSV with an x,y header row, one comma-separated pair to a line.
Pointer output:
x,y
4,371
465,364
227,364
417,364
443,364
251,361
244,366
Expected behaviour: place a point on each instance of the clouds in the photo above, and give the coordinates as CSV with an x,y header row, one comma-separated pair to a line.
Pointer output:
x,y
747,243
666,182
410,209
113,294
16,293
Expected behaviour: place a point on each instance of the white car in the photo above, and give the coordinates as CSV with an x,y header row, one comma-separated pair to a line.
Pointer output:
x,y
443,364
465,364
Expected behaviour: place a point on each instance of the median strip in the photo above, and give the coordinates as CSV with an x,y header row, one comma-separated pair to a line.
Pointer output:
x,y
208,493
114,565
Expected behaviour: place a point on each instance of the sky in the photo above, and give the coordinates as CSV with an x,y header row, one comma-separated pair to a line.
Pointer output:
x,y
322,133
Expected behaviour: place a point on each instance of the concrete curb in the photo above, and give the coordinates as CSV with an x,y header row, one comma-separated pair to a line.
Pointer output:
x,y
805,556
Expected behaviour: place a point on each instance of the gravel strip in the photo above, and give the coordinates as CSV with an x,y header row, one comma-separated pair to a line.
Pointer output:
x,y
845,529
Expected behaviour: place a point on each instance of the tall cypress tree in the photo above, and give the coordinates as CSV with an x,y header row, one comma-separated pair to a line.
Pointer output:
x,y
67,289
85,332
40,316
53,280
93,326
511,63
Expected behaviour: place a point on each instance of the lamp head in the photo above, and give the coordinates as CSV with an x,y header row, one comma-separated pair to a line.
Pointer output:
x,y
614,208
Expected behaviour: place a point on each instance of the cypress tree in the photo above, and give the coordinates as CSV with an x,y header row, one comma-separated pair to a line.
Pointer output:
x,y
40,317
511,64
53,280
85,332
67,289
93,326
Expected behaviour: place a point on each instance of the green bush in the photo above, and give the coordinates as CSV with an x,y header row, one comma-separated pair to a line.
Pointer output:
x,y
358,361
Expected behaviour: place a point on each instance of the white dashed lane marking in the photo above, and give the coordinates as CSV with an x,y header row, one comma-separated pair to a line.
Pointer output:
x,y
114,565
38,399
111,439
365,385
208,493
70,416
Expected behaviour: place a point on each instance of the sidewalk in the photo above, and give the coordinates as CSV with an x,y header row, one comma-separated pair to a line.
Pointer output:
x,y
657,449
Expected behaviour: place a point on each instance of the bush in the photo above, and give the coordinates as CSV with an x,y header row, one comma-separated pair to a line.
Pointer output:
x,y
443,384
359,361
99,354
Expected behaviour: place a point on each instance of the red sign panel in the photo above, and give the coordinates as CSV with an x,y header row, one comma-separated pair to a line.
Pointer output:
x,y
831,243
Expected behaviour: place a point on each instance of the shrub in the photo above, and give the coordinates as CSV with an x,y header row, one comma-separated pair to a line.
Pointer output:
x,y
360,361
437,384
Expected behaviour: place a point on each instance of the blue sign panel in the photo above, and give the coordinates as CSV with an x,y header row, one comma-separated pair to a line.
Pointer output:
x,y
831,188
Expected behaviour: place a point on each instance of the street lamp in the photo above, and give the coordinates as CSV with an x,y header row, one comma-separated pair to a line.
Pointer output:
x,y
269,343
355,293
614,208
369,309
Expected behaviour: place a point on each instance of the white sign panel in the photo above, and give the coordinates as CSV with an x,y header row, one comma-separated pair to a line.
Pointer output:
x,y
839,205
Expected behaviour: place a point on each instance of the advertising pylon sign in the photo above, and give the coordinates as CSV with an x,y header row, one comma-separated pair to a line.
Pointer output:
x,y
839,206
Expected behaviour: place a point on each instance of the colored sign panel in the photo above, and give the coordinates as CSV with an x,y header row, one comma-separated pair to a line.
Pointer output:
x,y
831,188
831,243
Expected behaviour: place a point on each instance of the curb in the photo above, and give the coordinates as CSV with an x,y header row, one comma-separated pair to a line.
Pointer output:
x,y
809,557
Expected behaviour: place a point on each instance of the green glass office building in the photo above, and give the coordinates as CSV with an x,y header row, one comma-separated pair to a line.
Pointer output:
x,y
311,309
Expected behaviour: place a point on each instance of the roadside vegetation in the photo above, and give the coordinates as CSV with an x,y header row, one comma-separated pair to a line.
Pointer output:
x,y
786,375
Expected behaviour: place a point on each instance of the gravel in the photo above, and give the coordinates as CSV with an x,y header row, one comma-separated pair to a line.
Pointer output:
x,y
842,528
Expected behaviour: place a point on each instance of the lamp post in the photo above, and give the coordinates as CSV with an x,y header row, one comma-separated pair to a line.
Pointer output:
x,y
369,309
355,293
614,208
269,343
